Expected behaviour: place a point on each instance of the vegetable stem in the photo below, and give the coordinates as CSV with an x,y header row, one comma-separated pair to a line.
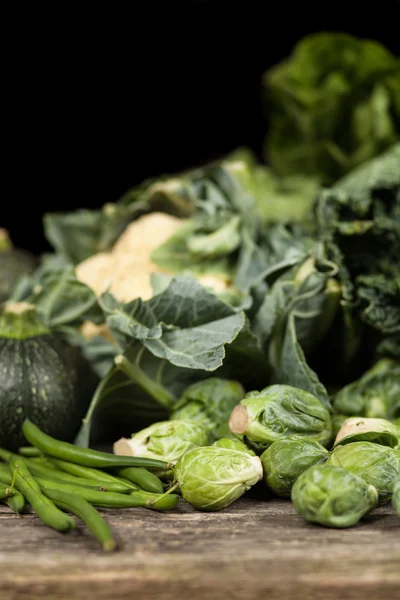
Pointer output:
x,y
147,384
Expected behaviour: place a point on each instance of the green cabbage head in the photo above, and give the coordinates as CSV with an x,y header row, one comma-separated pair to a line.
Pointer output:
x,y
280,411
286,459
332,496
212,478
166,440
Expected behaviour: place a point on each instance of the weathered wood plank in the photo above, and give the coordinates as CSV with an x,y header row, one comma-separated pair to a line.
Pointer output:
x,y
254,549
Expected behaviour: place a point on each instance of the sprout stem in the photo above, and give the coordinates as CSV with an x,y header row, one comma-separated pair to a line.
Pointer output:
x,y
239,419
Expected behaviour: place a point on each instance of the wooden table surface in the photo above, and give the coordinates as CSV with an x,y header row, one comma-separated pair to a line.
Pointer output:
x,y
257,549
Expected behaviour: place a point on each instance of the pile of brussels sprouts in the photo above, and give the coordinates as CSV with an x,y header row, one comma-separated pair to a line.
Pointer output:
x,y
336,463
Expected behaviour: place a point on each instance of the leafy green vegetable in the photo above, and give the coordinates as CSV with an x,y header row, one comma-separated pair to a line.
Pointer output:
x,y
286,459
358,220
211,478
186,325
166,440
221,238
357,429
333,104
377,465
209,402
375,394
295,316
80,234
280,411
167,343
359,227
332,496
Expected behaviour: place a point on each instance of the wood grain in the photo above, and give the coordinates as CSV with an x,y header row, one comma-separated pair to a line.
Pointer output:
x,y
257,549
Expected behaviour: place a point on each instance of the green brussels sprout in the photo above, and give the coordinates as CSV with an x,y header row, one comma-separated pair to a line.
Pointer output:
x,y
233,444
377,465
210,402
332,496
286,459
211,478
166,440
396,496
375,395
337,422
280,411
360,429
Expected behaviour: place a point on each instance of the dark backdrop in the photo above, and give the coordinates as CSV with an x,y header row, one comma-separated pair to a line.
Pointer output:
x,y
96,104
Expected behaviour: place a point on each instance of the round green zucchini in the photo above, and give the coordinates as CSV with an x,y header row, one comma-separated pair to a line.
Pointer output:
x,y
41,378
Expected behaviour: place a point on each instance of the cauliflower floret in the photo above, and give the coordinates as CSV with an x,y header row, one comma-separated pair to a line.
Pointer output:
x,y
125,276
214,282
90,330
147,233
96,272
126,270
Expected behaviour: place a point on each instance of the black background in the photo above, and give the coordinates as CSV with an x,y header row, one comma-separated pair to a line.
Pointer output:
x,y
97,102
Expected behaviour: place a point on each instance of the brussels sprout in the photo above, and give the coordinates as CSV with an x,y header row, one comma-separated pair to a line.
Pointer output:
x,y
377,465
359,429
210,402
280,411
166,440
233,444
332,496
396,496
211,478
375,394
286,459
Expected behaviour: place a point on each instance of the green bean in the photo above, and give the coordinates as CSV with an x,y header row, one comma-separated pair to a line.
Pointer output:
x,y
5,491
113,499
89,473
6,454
5,474
164,474
30,452
82,456
39,470
164,501
85,511
47,512
143,478
16,502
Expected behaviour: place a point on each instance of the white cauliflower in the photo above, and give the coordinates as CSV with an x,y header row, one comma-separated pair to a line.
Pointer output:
x,y
126,270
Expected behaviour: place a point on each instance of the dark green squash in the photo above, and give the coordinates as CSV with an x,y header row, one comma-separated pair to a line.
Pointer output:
x,y
41,377
14,263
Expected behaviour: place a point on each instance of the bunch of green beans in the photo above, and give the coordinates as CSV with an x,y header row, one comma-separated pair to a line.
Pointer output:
x,y
56,478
